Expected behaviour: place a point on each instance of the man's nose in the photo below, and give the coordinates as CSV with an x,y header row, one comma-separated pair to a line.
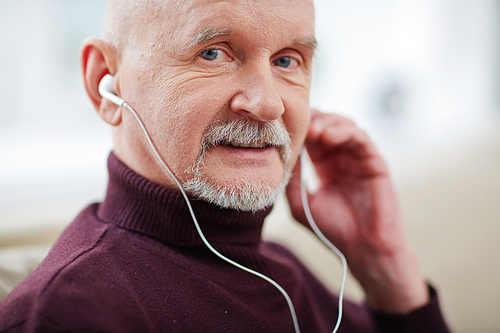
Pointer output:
x,y
258,95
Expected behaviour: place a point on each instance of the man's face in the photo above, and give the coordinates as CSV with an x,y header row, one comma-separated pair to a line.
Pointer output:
x,y
197,63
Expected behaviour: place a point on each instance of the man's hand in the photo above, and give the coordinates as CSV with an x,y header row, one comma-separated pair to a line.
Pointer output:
x,y
356,209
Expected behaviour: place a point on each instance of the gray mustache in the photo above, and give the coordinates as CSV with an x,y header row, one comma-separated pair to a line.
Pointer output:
x,y
247,132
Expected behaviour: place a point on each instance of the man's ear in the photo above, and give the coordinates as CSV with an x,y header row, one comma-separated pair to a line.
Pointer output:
x,y
98,58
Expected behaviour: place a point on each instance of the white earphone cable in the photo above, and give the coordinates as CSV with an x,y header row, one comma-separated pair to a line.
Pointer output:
x,y
314,226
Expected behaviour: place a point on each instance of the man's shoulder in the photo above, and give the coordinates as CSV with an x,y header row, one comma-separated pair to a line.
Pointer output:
x,y
58,275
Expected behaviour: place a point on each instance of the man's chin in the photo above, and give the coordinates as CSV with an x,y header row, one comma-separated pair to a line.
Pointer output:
x,y
244,197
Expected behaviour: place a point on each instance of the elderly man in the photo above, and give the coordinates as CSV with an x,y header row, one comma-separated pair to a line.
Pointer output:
x,y
223,90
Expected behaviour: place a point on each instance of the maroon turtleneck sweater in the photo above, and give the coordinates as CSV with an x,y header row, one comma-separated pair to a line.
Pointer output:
x,y
135,263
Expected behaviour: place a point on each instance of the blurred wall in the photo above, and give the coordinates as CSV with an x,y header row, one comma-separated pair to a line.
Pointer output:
x,y
52,144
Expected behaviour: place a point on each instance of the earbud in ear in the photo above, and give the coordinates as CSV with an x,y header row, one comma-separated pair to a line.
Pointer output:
x,y
106,90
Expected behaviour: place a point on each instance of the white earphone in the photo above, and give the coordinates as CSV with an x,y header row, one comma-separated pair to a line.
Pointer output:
x,y
107,92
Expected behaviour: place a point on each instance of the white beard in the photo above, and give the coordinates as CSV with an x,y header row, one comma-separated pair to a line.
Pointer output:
x,y
250,196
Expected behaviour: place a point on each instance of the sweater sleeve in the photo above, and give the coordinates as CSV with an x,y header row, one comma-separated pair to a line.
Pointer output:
x,y
427,319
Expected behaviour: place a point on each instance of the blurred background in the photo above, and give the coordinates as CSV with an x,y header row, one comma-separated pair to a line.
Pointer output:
x,y
420,76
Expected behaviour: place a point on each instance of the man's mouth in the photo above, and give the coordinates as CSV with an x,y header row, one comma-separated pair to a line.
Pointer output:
x,y
252,145
259,139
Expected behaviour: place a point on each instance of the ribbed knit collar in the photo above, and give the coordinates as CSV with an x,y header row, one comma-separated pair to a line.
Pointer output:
x,y
135,203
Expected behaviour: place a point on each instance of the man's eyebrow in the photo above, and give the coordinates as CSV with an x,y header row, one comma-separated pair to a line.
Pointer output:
x,y
310,43
204,36
207,34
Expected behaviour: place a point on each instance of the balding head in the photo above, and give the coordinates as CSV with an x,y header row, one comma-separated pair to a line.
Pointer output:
x,y
124,20
128,22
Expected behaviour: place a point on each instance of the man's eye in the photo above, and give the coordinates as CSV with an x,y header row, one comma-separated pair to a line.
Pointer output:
x,y
285,62
210,54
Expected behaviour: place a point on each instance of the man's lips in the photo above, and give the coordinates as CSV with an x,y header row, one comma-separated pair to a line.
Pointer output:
x,y
242,154
253,145
256,149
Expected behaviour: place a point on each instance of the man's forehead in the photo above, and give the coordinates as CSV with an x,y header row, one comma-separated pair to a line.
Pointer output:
x,y
292,20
